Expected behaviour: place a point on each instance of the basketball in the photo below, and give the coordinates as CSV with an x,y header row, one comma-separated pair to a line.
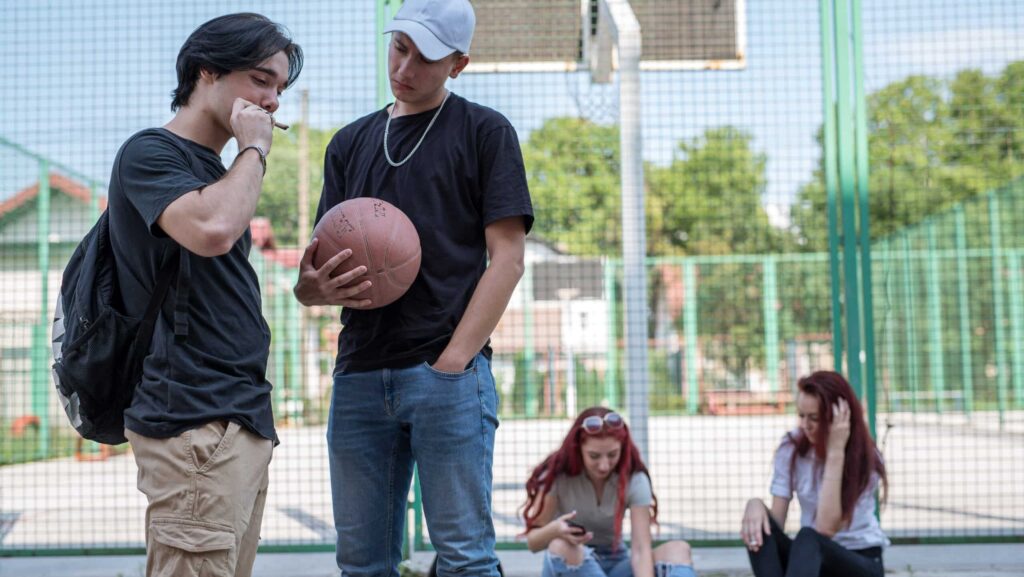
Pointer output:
x,y
382,239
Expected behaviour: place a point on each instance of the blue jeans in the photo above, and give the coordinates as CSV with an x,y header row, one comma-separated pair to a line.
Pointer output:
x,y
607,562
383,422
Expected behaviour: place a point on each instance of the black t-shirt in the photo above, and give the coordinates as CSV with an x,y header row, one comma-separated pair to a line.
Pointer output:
x,y
219,371
467,174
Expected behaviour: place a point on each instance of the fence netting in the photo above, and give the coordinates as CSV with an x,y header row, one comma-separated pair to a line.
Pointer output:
x,y
737,273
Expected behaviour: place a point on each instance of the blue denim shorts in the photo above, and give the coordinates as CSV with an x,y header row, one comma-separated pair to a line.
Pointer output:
x,y
607,562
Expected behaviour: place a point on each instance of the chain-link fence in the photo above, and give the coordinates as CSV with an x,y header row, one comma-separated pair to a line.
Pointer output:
x,y
748,128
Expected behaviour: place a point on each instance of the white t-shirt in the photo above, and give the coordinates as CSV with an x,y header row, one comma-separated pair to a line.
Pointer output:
x,y
863,530
577,494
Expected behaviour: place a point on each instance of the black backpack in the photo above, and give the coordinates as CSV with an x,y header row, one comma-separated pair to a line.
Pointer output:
x,y
97,349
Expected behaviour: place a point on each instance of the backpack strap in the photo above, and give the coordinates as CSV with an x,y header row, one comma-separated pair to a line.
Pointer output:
x,y
181,299
163,283
184,269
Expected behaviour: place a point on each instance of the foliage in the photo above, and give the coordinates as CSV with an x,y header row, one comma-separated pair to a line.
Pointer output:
x,y
279,200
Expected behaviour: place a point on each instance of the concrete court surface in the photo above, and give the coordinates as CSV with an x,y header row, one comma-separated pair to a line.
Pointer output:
x,y
1004,560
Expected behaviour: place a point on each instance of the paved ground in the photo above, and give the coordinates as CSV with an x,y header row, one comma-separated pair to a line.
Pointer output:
x,y
949,477
901,561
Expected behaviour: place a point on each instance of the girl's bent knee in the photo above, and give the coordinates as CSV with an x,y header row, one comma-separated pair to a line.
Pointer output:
x,y
675,552
572,555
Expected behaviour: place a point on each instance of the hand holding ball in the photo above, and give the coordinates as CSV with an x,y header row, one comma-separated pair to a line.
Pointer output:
x,y
382,239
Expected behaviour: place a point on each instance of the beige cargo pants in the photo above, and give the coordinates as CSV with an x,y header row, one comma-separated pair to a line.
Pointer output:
x,y
206,490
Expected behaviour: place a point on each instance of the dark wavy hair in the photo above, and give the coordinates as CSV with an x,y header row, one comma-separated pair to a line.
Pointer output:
x,y
568,461
229,43
862,456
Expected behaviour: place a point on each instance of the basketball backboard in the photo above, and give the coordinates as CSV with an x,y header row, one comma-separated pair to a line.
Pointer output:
x,y
565,35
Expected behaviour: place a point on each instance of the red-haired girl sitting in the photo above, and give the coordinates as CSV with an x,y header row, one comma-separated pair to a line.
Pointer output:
x,y
578,496
833,466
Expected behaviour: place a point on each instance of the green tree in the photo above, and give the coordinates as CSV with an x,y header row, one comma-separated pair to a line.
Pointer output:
x,y
279,200
708,200
572,166
931,143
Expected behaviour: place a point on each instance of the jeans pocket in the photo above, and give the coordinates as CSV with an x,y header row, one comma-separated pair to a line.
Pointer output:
x,y
451,376
186,548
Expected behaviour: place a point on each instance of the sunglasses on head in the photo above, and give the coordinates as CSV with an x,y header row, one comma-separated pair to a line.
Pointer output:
x,y
593,424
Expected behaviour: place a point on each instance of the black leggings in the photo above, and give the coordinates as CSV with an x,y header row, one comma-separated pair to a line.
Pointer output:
x,y
812,554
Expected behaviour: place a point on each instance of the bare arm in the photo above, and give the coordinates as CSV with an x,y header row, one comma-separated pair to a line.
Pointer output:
x,y
828,518
755,520
641,553
548,529
780,510
208,222
506,246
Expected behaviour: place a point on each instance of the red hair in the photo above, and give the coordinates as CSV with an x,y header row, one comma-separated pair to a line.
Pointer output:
x,y
568,461
862,456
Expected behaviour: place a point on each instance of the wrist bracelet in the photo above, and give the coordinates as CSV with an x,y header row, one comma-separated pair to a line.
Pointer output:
x,y
259,150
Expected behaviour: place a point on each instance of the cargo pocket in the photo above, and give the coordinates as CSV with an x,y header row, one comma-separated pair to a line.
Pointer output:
x,y
186,548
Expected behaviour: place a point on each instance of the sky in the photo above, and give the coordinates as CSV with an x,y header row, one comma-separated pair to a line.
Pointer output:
x,y
83,75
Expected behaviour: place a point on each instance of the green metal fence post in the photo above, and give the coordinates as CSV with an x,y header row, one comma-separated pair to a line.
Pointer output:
x,y
690,334
890,324
1016,325
293,323
529,384
386,10
831,172
771,323
910,330
848,196
964,298
999,307
936,368
41,345
861,159
278,350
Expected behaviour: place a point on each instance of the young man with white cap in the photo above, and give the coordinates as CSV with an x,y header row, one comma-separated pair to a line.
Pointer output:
x,y
413,382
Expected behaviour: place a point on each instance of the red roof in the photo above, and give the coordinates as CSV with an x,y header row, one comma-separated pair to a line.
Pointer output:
x,y
262,230
68,186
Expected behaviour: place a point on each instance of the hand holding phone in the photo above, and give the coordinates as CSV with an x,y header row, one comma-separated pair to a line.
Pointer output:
x,y
577,529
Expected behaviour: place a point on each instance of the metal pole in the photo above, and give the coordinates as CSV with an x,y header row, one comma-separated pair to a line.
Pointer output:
x,y
998,313
41,348
771,323
863,194
910,330
831,171
386,10
690,330
849,200
626,29
611,373
937,370
301,347
303,168
293,322
964,297
1016,325
529,383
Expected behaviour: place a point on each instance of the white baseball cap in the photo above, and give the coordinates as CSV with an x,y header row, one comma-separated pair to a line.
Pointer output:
x,y
437,27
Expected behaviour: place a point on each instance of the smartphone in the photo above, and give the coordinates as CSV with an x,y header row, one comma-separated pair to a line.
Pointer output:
x,y
577,528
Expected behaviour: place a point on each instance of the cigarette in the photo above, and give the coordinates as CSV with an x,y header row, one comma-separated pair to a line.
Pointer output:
x,y
281,125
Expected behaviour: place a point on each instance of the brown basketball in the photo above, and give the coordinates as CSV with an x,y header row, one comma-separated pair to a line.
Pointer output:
x,y
381,237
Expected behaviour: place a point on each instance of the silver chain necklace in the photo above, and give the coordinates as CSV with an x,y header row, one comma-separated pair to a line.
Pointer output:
x,y
387,127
